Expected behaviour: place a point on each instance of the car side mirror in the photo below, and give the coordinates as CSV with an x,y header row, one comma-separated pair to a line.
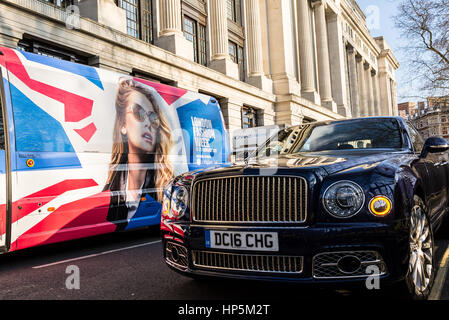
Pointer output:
x,y
434,145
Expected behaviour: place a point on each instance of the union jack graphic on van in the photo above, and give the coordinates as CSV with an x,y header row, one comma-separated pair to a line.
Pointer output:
x,y
88,151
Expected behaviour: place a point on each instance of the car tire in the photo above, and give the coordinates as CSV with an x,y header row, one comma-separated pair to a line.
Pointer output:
x,y
420,275
443,230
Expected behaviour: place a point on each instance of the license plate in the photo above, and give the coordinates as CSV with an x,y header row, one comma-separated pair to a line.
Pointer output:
x,y
236,240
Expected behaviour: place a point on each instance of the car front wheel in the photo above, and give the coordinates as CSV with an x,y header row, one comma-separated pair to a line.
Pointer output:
x,y
421,269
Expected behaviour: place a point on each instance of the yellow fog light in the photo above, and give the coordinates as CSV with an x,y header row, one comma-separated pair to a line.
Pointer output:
x,y
380,206
165,206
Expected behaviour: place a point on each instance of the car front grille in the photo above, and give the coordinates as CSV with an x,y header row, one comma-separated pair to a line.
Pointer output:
x,y
328,265
244,262
254,199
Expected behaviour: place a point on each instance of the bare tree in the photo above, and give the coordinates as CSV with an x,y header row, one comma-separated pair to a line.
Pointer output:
x,y
425,25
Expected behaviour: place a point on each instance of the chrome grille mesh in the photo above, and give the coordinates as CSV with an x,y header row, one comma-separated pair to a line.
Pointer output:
x,y
182,261
243,262
250,199
325,265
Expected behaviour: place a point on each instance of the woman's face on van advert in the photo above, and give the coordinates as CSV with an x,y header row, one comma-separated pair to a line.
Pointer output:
x,y
141,134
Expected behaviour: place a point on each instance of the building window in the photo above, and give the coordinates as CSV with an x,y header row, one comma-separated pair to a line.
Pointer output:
x,y
202,48
60,3
139,18
443,119
132,17
236,53
232,48
191,34
196,33
151,77
147,21
249,117
241,63
50,51
236,36
234,11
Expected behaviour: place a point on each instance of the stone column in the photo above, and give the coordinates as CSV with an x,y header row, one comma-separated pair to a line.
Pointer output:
x,y
377,108
282,61
348,101
337,62
370,92
170,17
171,37
355,96
395,110
256,75
362,88
390,100
306,52
323,57
385,97
220,59
219,30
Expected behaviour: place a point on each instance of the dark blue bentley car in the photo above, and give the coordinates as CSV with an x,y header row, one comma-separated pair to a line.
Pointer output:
x,y
326,202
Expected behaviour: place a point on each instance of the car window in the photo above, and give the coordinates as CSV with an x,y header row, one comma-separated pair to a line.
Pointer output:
x,y
344,135
416,139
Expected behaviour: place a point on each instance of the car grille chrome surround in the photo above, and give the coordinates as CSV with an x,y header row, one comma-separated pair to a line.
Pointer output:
x,y
244,262
326,265
176,255
250,199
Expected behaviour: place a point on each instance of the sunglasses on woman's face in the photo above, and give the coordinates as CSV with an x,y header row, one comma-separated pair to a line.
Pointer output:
x,y
140,114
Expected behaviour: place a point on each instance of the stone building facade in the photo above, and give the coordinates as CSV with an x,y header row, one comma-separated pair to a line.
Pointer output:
x,y
434,120
407,108
266,61
433,123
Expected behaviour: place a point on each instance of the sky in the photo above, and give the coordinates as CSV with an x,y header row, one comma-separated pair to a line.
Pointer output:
x,y
381,23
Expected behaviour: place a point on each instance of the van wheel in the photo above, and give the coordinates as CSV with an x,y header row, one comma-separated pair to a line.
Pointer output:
x,y
421,268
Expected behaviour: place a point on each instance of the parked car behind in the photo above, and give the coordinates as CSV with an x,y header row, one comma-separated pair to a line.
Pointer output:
x,y
327,202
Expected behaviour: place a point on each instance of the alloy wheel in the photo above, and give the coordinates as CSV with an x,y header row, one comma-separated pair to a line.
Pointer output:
x,y
421,250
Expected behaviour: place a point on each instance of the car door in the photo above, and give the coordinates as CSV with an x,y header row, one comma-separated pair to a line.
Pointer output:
x,y
436,165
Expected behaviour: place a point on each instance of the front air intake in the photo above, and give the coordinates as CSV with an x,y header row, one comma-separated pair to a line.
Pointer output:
x,y
176,255
347,264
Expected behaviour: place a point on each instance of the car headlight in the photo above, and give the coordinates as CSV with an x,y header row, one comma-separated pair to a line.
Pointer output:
x,y
166,199
380,206
179,202
343,199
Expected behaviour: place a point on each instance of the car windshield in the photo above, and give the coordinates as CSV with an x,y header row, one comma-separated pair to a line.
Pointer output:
x,y
363,134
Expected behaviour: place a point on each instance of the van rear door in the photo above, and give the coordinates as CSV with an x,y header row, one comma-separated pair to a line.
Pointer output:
x,y
5,172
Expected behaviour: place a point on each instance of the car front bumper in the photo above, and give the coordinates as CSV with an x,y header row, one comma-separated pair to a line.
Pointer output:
x,y
320,252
